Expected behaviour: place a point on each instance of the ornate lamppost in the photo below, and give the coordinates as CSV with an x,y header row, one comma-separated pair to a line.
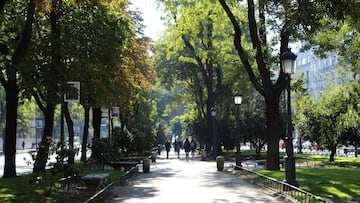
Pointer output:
x,y
238,101
288,67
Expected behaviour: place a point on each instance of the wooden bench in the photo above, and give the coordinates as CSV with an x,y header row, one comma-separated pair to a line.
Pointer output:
x,y
137,159
127,165
95,181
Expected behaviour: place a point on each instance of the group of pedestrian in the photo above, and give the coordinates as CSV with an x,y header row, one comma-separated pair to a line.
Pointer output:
x,y
187,145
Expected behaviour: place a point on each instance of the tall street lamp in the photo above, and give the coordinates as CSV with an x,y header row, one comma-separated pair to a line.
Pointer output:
x,y
213,114
288,66
237,101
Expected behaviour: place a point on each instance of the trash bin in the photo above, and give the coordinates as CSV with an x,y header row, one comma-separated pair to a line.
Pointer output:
x,y
203,155
146,165
220,163
238,160
153,156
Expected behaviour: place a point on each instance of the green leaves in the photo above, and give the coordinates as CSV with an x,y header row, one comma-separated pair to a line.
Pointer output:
x,y
330,120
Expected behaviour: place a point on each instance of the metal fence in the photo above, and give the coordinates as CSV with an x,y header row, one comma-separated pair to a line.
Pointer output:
x,y
291,192
132,172
102,195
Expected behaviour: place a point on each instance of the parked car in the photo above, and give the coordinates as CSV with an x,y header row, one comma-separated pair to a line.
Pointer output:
x,y
350,149
77,143
317,147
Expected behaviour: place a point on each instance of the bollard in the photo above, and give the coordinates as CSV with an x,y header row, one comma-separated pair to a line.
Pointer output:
x,y
146,165
220,163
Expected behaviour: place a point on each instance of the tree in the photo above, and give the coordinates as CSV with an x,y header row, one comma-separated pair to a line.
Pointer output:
x,y
13,46
349,121
253,125
195,55
332,120
91,59
70,47
259,66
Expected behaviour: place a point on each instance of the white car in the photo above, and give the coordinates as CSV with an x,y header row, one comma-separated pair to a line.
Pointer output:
x,y
77,143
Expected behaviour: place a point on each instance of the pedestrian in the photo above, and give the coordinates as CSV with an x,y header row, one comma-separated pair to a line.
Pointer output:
x,y
23,145
167,147
187,149
177,148
192,146
159,149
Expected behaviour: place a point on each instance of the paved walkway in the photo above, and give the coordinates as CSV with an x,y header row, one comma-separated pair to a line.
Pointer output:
x,y
177,181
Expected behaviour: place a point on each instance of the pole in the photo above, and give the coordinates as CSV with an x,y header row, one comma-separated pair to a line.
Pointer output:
x,y
238,143
289,158
62,131
214,138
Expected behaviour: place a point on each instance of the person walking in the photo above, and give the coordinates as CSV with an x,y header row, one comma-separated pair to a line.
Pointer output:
x,y
177,148
192,147
187,149
167,147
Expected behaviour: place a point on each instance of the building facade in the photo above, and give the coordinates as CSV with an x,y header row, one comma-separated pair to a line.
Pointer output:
x,y
318,72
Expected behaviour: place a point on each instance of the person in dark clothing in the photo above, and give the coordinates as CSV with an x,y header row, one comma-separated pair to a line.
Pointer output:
x,y
159,148
187,149
167,147
192,147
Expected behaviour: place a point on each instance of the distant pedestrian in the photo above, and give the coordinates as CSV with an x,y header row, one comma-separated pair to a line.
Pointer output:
x,y
192,146
23,144
159,149
167,147
187,149
177,148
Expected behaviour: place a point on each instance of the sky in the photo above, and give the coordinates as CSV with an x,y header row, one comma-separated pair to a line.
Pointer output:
x,y
151,16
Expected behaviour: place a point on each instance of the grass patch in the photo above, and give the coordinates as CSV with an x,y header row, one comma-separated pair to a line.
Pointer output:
x,y
337,180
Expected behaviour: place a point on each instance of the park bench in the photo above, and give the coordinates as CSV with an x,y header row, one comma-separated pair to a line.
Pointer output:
x,y
137,159
94,181
70,183
126,165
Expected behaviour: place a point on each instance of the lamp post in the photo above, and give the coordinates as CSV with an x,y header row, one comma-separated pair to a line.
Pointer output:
x,y
288,65
213,114
238,101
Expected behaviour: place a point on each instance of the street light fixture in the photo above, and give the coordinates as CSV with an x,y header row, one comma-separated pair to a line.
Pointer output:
x,y
213,114
288,59
238,100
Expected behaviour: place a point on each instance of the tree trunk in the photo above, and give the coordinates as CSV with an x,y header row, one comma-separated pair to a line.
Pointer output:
x,y
12,93
97,127
43,153
356,150
258,152
332,153
272,133
85,135
70,126
97,122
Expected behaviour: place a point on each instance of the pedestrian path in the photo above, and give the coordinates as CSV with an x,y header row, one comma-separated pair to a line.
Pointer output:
x,y
175,180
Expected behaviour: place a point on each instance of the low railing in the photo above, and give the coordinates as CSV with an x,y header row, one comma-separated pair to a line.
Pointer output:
x,y
293,193
130,173
101,195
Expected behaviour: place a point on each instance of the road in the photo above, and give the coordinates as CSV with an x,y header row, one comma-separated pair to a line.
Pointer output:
x,y
177,181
